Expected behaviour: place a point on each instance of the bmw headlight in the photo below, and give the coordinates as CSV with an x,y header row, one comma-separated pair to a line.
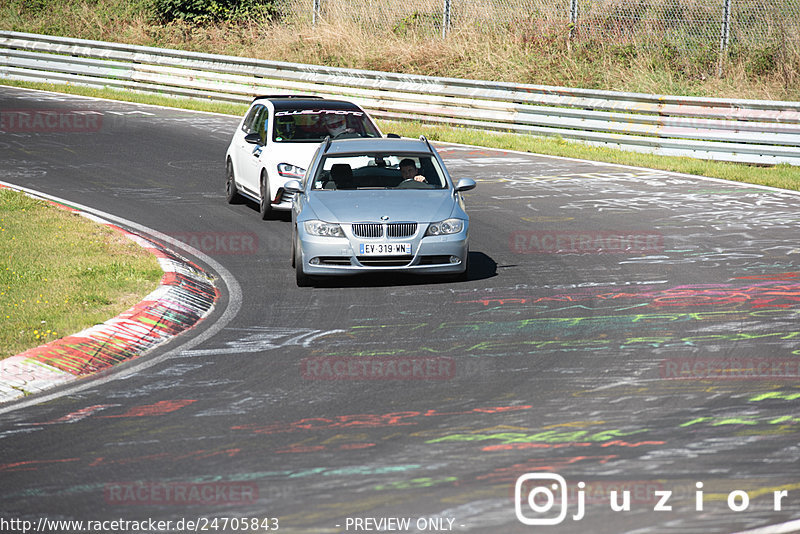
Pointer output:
x,y
287,170
450,226
324,229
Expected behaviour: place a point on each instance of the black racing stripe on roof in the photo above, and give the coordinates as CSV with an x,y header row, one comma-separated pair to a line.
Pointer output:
x,y
298,104
301,97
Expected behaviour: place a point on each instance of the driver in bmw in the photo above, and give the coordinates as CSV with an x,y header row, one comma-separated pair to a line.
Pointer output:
x,y
409,171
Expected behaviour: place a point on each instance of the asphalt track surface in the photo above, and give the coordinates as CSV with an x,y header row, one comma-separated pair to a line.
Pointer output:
x,y
571,349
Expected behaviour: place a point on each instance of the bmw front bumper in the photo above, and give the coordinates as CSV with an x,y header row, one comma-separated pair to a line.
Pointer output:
x,y
332,256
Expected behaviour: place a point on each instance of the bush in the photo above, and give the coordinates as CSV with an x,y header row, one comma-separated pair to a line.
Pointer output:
x,y
206,11
764,61
418,22
624,54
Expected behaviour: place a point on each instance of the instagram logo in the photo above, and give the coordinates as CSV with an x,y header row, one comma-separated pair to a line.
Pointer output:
x,y
538,490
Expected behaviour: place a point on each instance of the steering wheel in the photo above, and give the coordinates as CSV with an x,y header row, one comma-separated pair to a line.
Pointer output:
x,y
346,135
411,183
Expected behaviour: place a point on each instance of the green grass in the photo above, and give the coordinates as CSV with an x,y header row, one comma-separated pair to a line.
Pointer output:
x,y
780,176
61,273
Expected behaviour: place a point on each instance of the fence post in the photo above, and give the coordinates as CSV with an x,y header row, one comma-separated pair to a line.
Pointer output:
x,y
726,26
725,34
573,17
446,18
315,14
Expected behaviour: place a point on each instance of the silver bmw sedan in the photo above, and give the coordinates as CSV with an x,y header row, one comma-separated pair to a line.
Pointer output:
x,y
383,204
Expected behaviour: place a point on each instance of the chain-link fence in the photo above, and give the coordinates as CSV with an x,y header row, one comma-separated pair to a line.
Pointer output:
x,y
685,23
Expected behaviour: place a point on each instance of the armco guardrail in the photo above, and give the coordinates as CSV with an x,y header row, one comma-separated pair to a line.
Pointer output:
x,y
747,131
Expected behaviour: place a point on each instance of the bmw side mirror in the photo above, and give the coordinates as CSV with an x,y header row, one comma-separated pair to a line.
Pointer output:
x,y
253,138
293,186
465,184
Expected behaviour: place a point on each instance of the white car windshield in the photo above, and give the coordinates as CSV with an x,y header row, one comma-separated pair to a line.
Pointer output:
x,y
314,125
379,171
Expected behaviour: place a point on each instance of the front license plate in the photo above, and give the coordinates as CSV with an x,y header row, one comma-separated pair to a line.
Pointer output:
x,y
384,249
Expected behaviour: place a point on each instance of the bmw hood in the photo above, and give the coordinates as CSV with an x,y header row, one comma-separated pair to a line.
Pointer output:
x,y
412,205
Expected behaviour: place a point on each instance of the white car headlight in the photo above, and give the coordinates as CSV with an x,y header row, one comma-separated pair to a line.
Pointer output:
x,y
287,170
323,229
450,226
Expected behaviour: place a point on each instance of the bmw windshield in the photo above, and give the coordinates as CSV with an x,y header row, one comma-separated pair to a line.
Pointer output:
x,y
379,171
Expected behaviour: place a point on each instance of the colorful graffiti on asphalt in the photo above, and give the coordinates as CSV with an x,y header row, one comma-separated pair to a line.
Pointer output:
x,y
776,291
408,418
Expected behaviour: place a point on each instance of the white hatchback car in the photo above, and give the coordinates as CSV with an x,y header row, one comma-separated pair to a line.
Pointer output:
x,y
276,139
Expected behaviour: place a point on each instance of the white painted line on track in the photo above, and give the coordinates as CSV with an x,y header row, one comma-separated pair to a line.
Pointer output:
x,y
782,528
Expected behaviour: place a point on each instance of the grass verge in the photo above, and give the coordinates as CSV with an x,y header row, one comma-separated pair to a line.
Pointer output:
x,y
780,176
61,273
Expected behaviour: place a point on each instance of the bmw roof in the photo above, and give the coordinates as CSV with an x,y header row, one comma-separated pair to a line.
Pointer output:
x,y
378,144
